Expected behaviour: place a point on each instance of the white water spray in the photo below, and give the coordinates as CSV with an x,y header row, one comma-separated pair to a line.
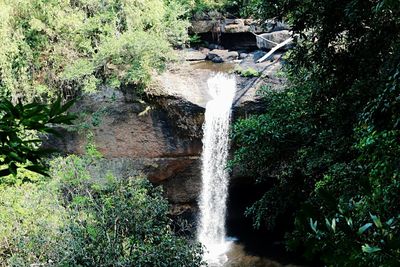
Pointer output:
x,y
211,231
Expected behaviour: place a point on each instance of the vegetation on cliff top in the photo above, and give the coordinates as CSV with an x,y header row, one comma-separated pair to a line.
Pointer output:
x,y
52,48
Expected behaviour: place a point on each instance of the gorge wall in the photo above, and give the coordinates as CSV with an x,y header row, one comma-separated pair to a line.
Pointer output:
x,y
160,135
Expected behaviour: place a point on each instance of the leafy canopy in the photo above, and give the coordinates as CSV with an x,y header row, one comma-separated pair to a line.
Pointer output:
x,y
48,47
77,219
19,126
327,144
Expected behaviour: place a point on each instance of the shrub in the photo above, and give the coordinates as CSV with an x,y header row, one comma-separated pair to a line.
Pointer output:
x,y
48,47
19,145
79,220
248,72
120,222
33,226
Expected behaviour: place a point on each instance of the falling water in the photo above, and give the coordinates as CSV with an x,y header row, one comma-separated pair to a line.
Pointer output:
x,y
211,231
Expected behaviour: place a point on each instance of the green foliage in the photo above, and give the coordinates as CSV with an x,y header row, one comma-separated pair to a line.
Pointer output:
x,y
194,40
19,126
80,220
225,7
328,145
32,222
48,47
249,72
120,222
198,6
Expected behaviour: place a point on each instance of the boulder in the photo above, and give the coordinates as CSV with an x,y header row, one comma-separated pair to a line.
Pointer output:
x,y
234,26
194,55
217,59
215,46
219,55
202,26
243,55
256,55
270,40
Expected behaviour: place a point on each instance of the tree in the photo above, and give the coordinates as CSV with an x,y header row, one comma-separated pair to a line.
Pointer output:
x,y
328,143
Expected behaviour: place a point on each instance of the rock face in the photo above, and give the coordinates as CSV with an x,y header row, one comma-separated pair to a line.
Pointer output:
x,y
225,32
222,25
161,137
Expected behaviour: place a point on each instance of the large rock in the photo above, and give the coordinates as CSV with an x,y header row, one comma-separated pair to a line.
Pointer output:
x,y
270,40
219,55
194,55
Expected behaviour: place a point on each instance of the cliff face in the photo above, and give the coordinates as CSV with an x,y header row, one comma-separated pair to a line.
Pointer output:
x,y
159,137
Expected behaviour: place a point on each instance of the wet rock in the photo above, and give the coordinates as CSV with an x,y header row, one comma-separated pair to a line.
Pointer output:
x,y
219,56
215,46
256,55
217,59
243,55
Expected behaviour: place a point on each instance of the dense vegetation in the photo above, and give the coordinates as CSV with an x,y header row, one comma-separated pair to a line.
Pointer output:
x,y
79,220
52,48
65,215
329,144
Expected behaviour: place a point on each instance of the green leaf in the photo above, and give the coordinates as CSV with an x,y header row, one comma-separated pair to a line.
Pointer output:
x,y
376,220
390,221
15,157
13,168
67,119
314,225
67,105
52,131
349,222
8,107
333,225
368,249
38,169
55,107
363,228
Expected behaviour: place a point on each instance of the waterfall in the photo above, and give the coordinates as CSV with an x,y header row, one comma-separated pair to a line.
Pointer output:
x,y
211,229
